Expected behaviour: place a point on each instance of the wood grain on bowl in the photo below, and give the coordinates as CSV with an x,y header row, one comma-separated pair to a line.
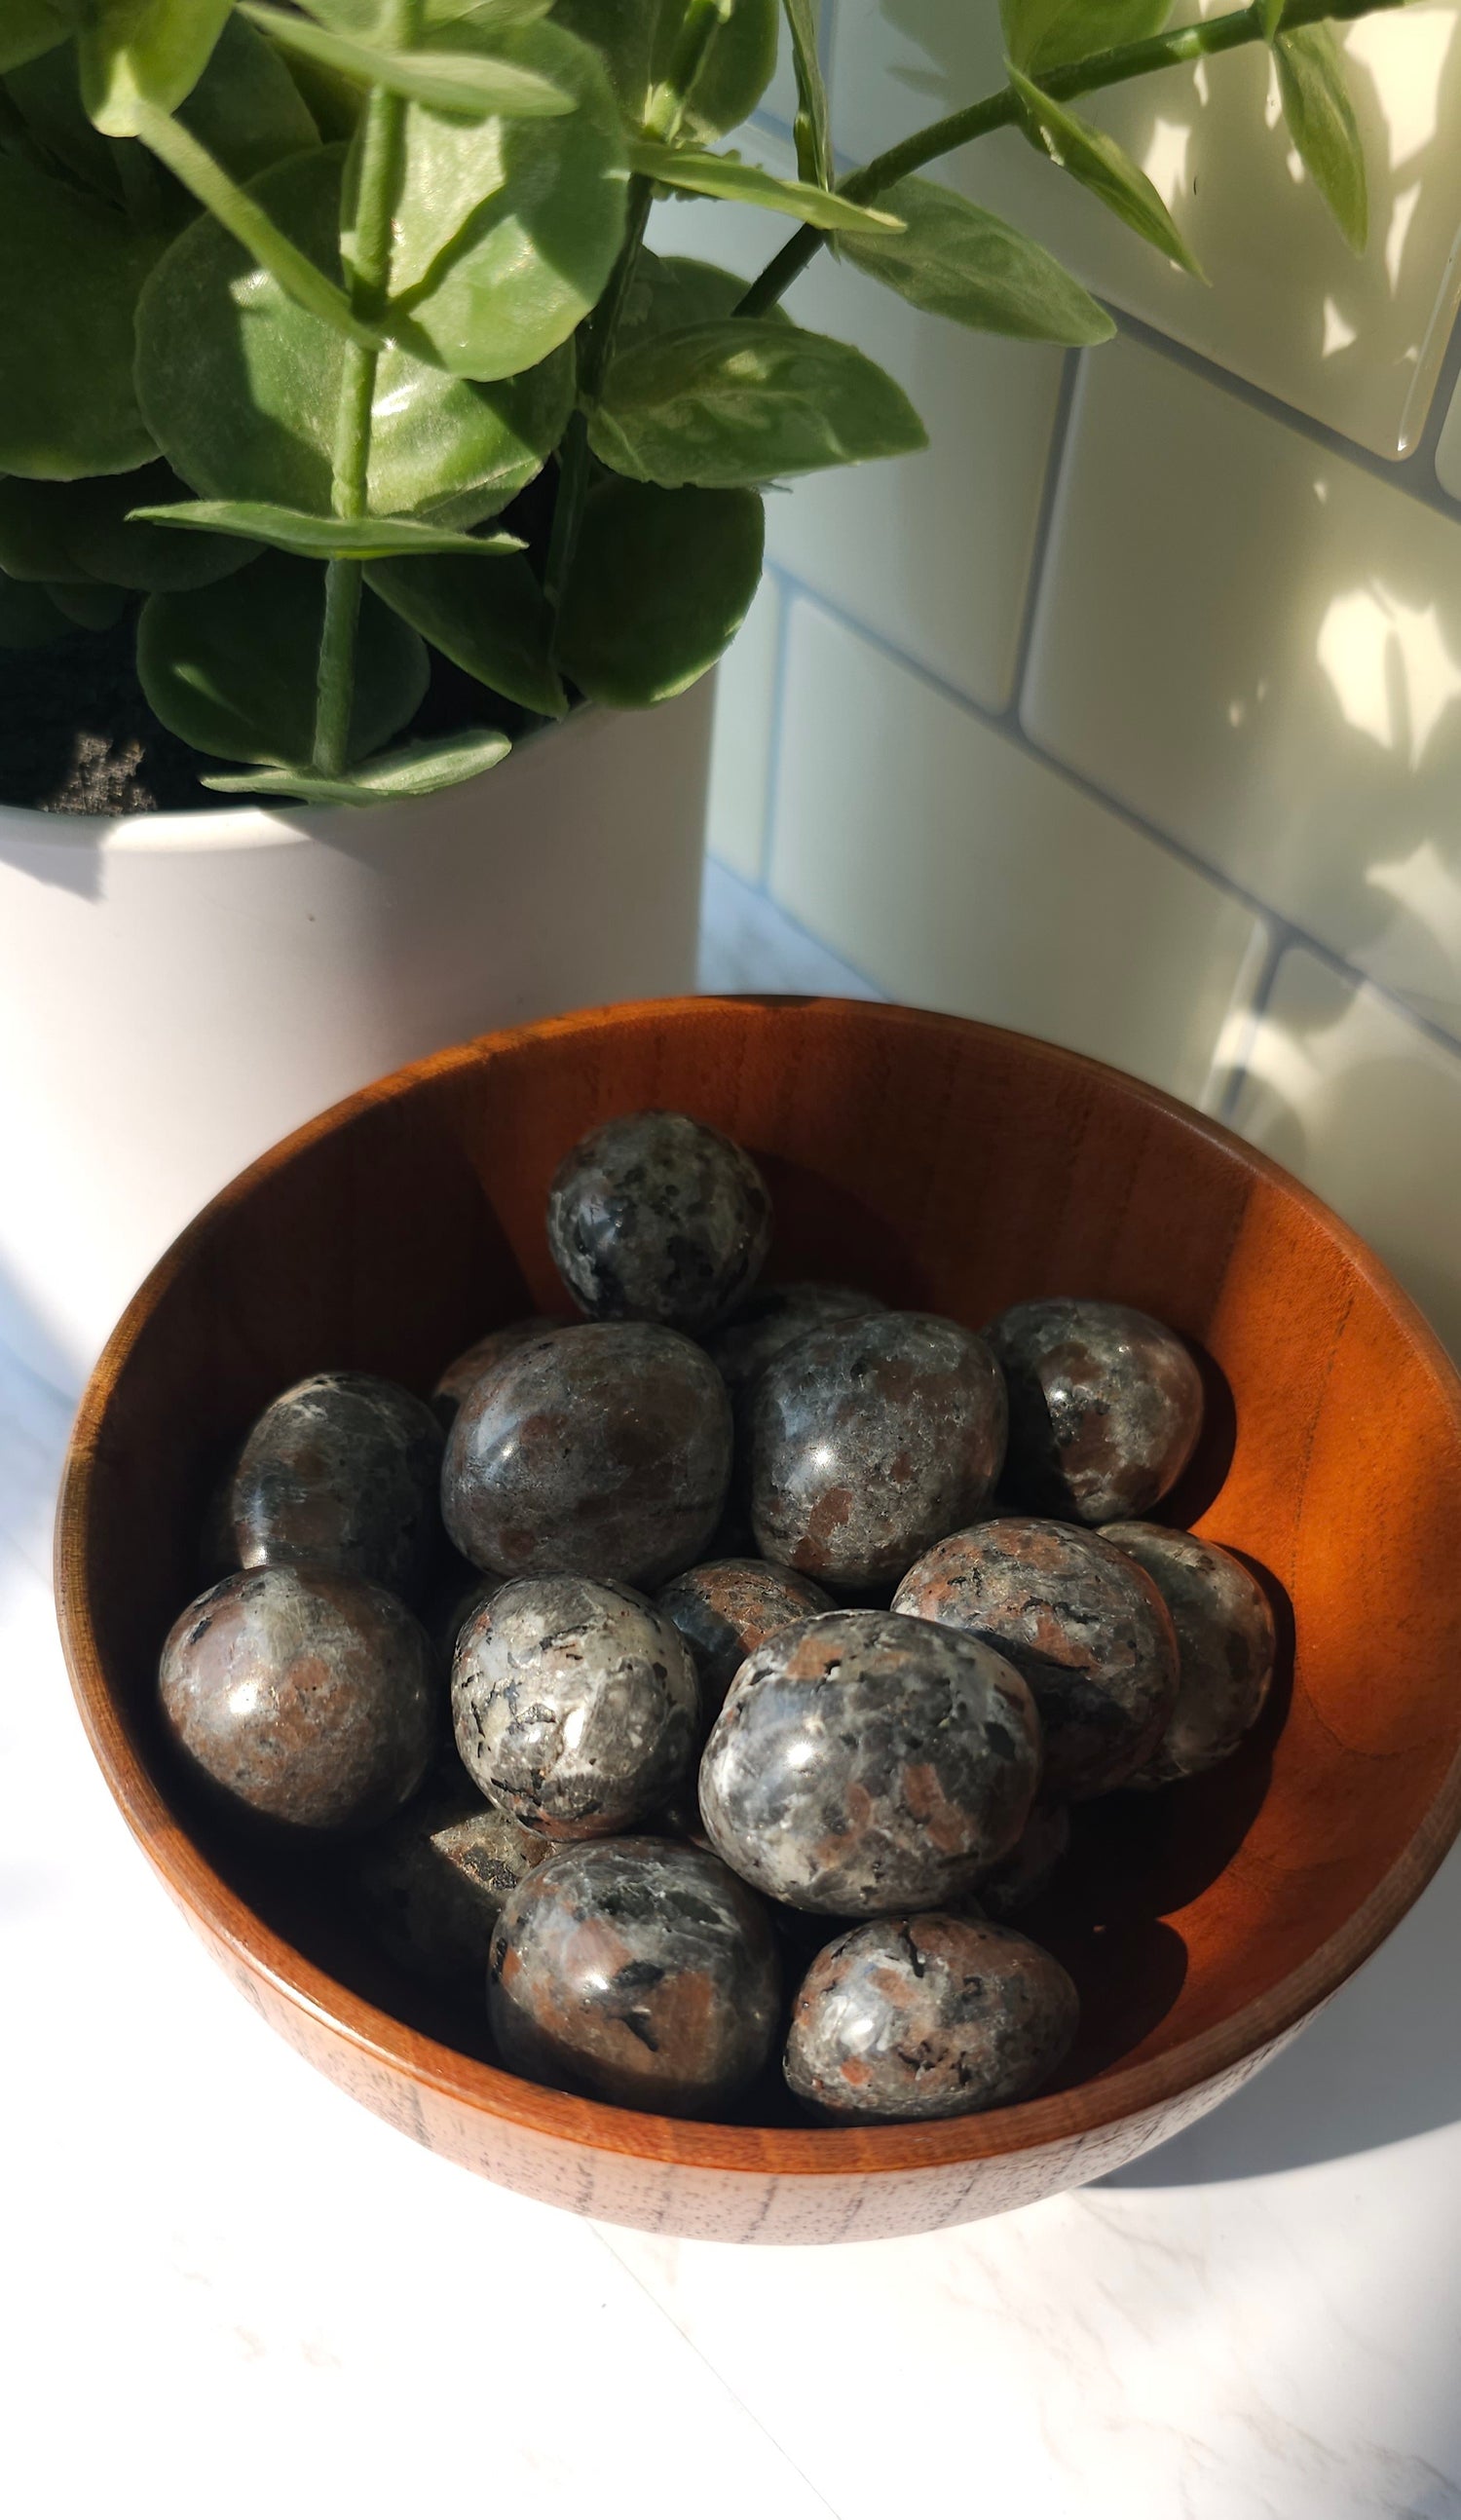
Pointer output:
x,y
948,1167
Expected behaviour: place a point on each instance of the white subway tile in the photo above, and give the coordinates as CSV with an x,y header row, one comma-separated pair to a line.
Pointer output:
x,y
959,872
1366,1108
1354,340
932,550
1448,448
1257,646
745,710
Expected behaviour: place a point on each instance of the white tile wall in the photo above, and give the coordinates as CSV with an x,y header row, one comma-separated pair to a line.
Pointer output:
x,y
1131,714
1356,342
1346,1090
962,872
1258,646
935,549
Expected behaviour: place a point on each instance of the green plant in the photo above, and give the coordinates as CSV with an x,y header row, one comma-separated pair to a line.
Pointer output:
x,y
297,302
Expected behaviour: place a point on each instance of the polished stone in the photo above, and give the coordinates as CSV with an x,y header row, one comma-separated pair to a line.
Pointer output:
x,y
638,1971
341,1472
1084,1623
575,1704
1225,1646
864,1763
303,1696
869,1440
656,1217
773,1319
602,1450
433,1881
927,2017
1105,1406
456,1380
726,1609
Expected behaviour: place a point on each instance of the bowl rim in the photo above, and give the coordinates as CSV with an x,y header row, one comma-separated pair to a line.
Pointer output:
x,y
696,2145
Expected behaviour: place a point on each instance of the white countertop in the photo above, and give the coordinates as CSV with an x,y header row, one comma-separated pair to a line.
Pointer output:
x,y
226,2279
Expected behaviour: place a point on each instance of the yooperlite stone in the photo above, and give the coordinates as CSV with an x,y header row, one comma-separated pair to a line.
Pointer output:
x,y
1105,1406
601,1451
726,1609
457,1378
575,1704
865,1763
341,1472
638,1971
1084,1624
433,1883
1225,1646
869,1440
304,1696
1030,1865
773,1319
928,2017
656,1217
462,1603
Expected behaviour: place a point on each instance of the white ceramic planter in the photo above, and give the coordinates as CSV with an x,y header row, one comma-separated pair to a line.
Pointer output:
x,y
178,991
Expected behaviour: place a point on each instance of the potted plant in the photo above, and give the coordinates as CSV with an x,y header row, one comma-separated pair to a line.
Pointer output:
x,y
351,437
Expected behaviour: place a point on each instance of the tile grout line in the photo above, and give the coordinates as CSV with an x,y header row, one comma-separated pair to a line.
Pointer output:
x,y
772,787
717,2376
1279,940
1061,427
1014,732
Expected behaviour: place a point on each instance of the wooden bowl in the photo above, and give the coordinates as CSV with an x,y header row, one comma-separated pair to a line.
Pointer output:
x,y
944,1165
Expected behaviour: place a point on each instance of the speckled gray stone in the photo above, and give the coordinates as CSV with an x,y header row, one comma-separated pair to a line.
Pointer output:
x,y
869,1440
1225,1646
1087,1626
726,1609
773,1319
656,1217
638,1971
601,1451
433,1883
575,1704
864,1763
1105,1406
454,1384
927,2017
304,1696
1030,1865
341,1472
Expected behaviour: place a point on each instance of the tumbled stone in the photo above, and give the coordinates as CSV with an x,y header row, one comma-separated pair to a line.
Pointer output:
x,y
1225,1646
773,1319
601,1451
304,1696
341,1472
726,1609
433,1883
1087,1626
869,1440
865,1763
1030,1865
1105,1406
928,2017
638,1971
454,1384
575,1704
656,1217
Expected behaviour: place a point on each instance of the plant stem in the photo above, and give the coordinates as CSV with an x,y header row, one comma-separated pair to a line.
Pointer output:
x,y
369,274
991,113
594,364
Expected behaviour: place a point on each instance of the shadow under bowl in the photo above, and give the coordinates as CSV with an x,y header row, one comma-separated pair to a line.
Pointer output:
x,y
947,1166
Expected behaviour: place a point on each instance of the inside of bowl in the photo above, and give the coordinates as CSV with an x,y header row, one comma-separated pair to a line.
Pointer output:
x,y
943,1166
